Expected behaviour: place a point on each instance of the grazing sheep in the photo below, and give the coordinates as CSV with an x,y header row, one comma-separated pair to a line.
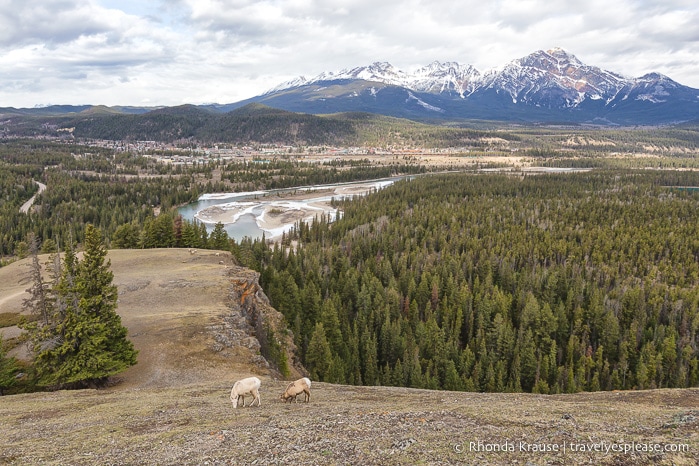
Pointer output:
x,y
294,389
242,387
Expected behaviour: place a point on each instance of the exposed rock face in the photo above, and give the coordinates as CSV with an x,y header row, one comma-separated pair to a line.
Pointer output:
x,y
249,322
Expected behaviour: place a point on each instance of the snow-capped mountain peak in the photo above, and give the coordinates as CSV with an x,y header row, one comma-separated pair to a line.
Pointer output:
x,y
450,77
296,82
377,71
435,77
550,80
554,78
563,56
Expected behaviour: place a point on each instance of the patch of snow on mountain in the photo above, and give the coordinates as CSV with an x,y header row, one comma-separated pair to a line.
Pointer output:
x,y
581,97
650,98
296,82
424,104
659,90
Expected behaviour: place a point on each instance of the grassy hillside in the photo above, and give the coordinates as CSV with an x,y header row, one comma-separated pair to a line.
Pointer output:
x,y
179,312
174,408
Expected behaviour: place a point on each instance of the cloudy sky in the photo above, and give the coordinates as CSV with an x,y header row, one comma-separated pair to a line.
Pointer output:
x,y
154,52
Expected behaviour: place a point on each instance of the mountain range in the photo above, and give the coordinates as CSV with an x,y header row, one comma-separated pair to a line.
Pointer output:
x,y
550,86
545,86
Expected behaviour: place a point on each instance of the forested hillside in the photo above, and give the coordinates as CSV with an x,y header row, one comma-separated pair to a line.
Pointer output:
x,y
253,123
546,283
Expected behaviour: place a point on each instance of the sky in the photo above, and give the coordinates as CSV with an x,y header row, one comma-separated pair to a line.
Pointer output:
x,y
165,53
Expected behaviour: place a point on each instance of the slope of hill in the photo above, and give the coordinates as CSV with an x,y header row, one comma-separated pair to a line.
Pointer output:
x,y
165,124
185,313
174,408
249,124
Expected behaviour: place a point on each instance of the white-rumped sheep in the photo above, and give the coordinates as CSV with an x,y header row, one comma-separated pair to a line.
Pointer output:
x,y
242,387
294,389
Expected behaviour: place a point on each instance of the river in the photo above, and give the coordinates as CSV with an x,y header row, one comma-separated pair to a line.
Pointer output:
x,y
274,212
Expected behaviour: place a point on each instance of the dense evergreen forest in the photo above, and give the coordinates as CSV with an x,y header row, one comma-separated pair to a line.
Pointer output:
x,y
546,283
88,185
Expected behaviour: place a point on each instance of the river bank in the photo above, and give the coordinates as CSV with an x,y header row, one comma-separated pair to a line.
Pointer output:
x,y
274,213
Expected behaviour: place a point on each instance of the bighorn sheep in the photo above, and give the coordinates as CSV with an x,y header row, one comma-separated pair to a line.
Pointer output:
x,y
294,389
242,387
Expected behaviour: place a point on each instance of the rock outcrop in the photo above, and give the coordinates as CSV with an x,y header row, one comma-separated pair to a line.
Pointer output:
x,y
251,323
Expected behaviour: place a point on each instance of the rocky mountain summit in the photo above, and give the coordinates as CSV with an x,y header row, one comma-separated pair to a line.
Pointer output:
x,y
545,85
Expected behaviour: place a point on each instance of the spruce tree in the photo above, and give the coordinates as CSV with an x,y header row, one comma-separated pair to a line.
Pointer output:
x,y
318,356
190,235
158,232
219,238
126,236
8,368
39,303
40,328
92,343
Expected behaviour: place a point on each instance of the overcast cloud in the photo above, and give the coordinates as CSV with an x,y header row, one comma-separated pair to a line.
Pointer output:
x,y
153,52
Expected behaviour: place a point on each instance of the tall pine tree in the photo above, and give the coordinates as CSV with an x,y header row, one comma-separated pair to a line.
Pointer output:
x,y
91,342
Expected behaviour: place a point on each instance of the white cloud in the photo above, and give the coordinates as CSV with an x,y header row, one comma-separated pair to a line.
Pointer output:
x,y
171,52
